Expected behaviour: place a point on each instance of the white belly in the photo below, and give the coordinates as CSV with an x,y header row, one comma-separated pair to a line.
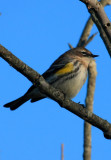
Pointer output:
x,y
72,86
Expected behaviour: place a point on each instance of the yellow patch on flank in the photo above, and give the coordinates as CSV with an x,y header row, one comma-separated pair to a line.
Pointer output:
x,y
66,69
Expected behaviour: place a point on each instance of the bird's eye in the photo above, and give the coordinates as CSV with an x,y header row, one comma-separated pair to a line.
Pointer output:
x,y
85,54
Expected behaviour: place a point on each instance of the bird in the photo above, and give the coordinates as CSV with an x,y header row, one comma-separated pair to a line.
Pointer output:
x,y
68,74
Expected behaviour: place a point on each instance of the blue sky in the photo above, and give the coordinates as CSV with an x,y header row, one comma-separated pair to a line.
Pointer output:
x,y
37,32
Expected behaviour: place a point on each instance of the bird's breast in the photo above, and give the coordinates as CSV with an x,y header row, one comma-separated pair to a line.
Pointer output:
x,y
72,83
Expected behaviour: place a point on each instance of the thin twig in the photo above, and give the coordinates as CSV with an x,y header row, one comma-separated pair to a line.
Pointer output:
x,y
86,32
70,46
62,151
90,39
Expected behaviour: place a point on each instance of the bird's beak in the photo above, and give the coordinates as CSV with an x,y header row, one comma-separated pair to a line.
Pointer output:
x,y
94,55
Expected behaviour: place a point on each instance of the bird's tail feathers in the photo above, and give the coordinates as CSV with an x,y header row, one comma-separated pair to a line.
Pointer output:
x,y
17,103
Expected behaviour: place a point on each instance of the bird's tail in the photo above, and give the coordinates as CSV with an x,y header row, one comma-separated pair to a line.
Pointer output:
x,y
17,103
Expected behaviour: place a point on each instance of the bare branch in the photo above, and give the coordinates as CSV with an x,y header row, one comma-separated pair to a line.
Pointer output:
x,y
105,2
90,39
70,46
89,105
88,27
100,14
84,43
91,85
86,32
55,94
101,20
62,151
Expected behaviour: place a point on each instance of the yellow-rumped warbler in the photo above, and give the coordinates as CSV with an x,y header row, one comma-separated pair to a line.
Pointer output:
x,y
68,74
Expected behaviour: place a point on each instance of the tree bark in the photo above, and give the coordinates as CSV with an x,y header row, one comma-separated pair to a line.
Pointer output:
x,y
101,20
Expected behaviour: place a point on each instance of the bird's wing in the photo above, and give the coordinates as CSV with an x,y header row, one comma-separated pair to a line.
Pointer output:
x,y
59,64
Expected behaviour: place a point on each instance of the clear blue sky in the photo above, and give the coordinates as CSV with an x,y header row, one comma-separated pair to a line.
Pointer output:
x,y
38,32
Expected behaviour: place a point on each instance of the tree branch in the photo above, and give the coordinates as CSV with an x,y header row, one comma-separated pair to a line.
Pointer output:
x,y
62,151
86,32
101,20
89,39
105,2
55,94
87,29
70,46
89,105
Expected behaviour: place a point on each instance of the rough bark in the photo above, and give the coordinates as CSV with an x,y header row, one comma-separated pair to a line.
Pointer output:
x,y
101,20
